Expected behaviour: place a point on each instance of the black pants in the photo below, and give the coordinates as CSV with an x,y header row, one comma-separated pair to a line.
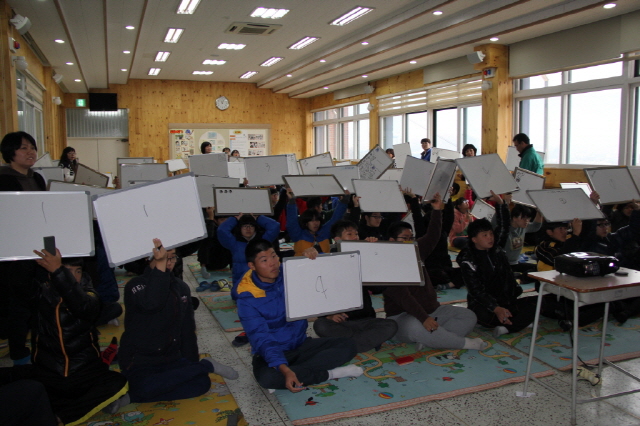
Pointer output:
x,y
523,313
311,362
368,333
25,403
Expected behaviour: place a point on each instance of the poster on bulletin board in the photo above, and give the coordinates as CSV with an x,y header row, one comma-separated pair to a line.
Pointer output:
x,y
185,140
249,143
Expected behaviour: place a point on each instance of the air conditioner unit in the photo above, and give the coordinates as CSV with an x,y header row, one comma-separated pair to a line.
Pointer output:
x,y
252,29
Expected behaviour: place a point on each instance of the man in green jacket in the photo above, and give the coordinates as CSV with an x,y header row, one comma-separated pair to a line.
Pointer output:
x,y
529,158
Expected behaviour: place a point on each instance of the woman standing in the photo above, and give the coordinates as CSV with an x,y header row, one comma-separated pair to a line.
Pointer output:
x,y
69,163
206,148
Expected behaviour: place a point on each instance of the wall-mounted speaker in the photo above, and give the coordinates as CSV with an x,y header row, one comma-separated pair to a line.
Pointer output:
x,y
475,57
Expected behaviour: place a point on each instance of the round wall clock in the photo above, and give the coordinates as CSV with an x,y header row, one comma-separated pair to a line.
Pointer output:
x,y
222,103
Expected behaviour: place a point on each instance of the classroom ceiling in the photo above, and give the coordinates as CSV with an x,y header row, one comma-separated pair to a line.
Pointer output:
x,y
397,32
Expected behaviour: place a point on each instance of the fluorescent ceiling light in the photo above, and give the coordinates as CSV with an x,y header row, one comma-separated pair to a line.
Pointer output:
x,y
325,87
364,43
352,15
123,69
267,12
202,72
609,5
77,79
69,63
323,60
187,7
303,43
232,46
494,39
58,40
162,56
130,27
289,75
365,76
214,62
249,74
413,62
126,52
437,12
173,35
154,71
271,61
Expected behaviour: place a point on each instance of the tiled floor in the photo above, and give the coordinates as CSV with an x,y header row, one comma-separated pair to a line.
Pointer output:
x,y
492,407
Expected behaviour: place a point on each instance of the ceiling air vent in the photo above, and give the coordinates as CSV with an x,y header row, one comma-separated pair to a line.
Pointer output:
x,y
252,29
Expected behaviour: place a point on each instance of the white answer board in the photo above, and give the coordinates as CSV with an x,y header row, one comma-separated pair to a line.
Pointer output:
x,y
214,164
233,201
613,184
392,174
486,173
58,186
176,164
131,218
526,180
44,161
207,183
416,175
314,185
401,151
310,165
343,163
513,160
294,167
87,176
26,217
562,205
382,196
329,284
374,163
134,160
142,172
582,185
482,210
635,174
441,180
237,170
437,153
266,170
387,263
344,174
49,173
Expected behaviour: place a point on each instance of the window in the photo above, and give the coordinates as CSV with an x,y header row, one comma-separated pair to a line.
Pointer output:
x,y
30,119
636,130
417,129
540,119
343,131
445,124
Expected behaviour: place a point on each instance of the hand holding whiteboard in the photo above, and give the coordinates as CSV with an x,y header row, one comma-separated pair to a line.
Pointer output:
x,y
416,175
483,210
380,196
615,185
526,180
562,205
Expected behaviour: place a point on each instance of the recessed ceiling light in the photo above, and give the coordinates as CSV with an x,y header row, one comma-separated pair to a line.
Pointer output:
x,y
413,62
154,71
187,7
202,72
58,40
494,39
214,62
162,56
325,87
364,43
609,5
126,52
130,27
123,69
231,46
438,12
249,74
265,12
323,60
173,35
271,61
303,43
77,79
365,76
352,15
289,75
69,63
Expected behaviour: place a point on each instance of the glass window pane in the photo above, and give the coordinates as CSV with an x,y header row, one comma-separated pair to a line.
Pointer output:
x,y
39,131
332,140
472,127
636,129
319,116
416,130
347,111
331,114
594,123
596,72
363,137
363,108
540,81
348,141
446,128
391,131
541,120
319,133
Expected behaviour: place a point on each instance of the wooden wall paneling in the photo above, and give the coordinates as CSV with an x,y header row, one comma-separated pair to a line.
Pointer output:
x,y
555,176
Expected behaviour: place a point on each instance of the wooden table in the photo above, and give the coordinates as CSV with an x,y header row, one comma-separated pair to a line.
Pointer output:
x,y
583,291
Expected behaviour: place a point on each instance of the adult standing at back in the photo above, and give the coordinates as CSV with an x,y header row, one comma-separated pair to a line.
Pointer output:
x,y
529,158
69,163
426,149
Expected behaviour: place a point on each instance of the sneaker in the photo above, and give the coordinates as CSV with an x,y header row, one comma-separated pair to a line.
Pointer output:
x,y
224,285
204,286
214,286
240,340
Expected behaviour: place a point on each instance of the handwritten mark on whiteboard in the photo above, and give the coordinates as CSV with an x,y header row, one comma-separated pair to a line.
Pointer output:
x,y
43,214
320,287
145,210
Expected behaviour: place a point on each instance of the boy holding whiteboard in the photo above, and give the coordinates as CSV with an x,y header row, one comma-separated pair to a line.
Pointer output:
x,y
283,356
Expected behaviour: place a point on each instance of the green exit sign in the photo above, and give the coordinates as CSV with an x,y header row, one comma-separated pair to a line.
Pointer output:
x,y
81,102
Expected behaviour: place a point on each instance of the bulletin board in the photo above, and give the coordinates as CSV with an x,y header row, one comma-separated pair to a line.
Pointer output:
x,y
250,140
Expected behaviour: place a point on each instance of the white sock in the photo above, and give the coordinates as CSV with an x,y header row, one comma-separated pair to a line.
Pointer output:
x,y
499,331
348,371
204,272
221,369
477,344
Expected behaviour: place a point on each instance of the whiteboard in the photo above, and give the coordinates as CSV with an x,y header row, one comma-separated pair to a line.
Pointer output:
x,y
482,210
343,163
205,186
310,165
416,175
513,160
233,201
176,164
392,174
87,176
562,205
387,263
49,173
382,196
314,185
237,170
613,184
131,218
437,153
266,170
441,180
344,174
635,174
582,185
135,160
401,152
326,285
294,167
58,186
214,164
374,163
44,161
28,216
138,172
486,173
110,183
526,180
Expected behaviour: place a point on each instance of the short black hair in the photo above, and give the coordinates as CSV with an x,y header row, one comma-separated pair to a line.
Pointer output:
x,y
234,151
390,151
254,247
425,140
459,201
550,226
368,213
247,219
12,142
226,149
307,216
396,229
521,137
469,146
314,202
203,145
340,226
520,210
73,261
456,188
478,226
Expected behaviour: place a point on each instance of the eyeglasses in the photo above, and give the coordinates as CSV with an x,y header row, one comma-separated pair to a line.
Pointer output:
x,y
172,259
604,224
247,226
399,238
376,217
